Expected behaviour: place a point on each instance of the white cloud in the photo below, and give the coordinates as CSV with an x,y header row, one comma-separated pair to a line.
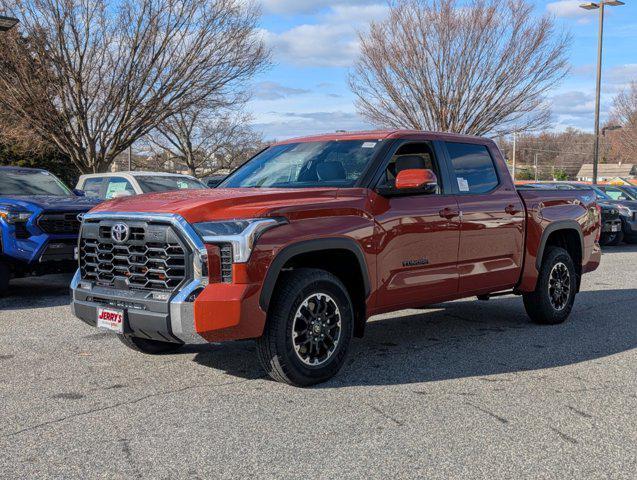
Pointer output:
x,y
570,9
331,42
280,126
307,6
275,91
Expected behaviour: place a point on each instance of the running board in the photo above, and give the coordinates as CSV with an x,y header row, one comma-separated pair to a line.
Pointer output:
x,y
496,294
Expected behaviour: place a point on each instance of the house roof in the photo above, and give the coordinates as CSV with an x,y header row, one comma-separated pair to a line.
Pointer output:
x,y
608,170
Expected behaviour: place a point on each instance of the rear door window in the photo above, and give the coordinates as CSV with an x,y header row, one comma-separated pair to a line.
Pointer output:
x,y
473,168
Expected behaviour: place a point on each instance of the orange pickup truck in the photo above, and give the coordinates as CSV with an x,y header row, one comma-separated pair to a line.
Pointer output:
x,y
299,246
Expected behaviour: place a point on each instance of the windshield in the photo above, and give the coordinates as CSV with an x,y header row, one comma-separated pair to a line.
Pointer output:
x,y
29,182
632,191
151,184
305,165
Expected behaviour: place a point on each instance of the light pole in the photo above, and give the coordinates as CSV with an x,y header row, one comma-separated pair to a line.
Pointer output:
x,y
593,6
7,23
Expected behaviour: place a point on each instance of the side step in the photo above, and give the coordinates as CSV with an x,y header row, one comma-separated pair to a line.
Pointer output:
x,y
496,294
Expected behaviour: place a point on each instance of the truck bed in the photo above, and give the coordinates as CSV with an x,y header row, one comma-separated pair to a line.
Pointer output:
x,y
548,210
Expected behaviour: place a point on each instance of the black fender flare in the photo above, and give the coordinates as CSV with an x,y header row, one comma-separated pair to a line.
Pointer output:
x,y
307,246
554,227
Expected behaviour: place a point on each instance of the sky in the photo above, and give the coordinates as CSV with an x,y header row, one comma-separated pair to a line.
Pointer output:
x,y
314,44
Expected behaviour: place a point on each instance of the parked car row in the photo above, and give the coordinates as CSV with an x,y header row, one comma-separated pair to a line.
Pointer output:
x,y
39,221
618,205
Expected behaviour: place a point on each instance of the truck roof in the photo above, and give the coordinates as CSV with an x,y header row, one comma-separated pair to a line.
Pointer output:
x,y
11,168
136,173
378,135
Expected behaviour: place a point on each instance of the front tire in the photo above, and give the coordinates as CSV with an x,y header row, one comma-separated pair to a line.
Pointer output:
x,y
632,239
5,276
552,301
613,239
309,328
150,347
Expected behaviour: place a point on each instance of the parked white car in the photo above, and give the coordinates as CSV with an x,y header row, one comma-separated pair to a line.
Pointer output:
x,y
122,184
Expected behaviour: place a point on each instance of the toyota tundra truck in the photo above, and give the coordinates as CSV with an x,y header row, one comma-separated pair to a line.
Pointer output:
x,y
302,244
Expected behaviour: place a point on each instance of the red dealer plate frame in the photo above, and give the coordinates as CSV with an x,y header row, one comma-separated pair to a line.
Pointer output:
x,y
111,319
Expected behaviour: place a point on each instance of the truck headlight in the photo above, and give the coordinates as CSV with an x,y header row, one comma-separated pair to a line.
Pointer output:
x,y
12,215
624,211
241,234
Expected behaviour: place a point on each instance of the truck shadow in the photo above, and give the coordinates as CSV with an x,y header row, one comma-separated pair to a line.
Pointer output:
x,y
37,292
623,248
466,339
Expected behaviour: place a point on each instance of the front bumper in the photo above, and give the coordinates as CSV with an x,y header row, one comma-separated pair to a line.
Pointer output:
x,y
630,224
612,226
197,312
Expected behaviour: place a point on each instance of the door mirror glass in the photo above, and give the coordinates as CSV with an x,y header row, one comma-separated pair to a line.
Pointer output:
x,y
417,179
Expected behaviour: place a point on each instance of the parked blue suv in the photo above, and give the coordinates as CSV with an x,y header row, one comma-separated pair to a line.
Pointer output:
x,y
38,223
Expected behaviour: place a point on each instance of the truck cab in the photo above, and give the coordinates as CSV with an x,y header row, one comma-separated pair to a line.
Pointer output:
x,y
105,186
304,242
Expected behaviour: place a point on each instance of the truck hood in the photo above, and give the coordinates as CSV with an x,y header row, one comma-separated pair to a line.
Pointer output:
x,y
221,203
50,202
626,203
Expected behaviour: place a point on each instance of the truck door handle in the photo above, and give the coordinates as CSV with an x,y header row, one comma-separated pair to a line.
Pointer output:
x,y
449,213
511,209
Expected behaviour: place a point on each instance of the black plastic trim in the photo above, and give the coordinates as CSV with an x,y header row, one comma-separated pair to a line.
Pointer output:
x,y
305,247
554,227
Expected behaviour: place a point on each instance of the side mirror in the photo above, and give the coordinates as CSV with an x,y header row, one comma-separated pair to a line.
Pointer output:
x,y
417,179
79,193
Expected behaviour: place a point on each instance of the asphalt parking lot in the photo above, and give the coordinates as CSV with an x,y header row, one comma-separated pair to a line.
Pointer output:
x,y
465,389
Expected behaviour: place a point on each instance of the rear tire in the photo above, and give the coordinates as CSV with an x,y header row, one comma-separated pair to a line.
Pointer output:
x,y
552,301
150,347
632,239
612,239
5,276
309,328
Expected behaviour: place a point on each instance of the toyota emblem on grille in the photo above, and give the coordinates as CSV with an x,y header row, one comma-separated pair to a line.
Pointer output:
x,y
120,232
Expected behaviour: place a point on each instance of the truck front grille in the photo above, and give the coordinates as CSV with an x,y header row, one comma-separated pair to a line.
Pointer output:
x,y
59,222
152,258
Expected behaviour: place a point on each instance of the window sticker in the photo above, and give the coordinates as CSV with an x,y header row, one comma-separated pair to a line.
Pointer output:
x,y
369,145
463,184
182,185
116,187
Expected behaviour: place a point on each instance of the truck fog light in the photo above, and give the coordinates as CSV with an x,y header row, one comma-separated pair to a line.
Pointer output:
x,y
161,296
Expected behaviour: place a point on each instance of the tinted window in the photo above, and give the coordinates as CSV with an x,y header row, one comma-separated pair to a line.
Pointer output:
x,y
31,182
92,187
473,167
167,183
410,155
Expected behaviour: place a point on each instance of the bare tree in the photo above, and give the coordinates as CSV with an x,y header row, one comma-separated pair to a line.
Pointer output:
x,y
93,76
481,67
203,140
624,114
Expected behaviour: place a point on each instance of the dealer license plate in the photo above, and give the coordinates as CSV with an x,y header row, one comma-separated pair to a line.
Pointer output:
x,y
110,319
